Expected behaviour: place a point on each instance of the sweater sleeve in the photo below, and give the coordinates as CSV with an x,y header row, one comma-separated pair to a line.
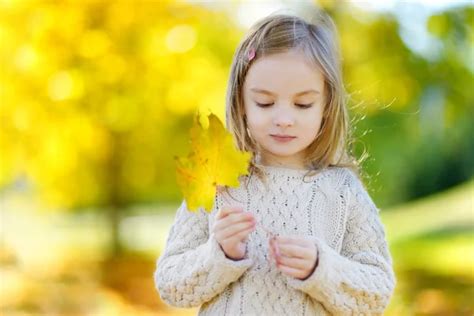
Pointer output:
x,y
193,268
360,280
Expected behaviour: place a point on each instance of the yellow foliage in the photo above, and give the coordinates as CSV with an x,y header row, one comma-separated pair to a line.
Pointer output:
x,y
214,160
93,91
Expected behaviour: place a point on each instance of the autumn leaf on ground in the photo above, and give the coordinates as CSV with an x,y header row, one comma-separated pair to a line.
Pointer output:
x,y
214,160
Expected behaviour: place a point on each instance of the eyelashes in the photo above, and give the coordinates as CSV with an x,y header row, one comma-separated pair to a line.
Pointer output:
x,y
302,106
263,105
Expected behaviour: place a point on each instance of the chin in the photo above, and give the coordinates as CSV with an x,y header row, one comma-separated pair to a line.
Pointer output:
x,y
281,153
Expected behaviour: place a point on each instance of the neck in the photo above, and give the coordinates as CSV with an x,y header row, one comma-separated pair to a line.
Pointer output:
x,y
286,162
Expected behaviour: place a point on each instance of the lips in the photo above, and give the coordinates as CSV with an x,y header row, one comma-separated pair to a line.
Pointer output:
x,y
282,138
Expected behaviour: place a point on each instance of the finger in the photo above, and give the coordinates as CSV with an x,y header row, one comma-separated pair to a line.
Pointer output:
x,y
239,236
294,263
228,209
271,255
277,249
274,247
234,219
291,250
229,231
302,242
272,252
291,271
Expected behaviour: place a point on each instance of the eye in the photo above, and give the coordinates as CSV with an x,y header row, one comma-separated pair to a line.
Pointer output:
x,y
304,106
264,105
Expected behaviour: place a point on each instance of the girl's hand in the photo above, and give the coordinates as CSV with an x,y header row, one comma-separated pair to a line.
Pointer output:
x,y
231,230
295,256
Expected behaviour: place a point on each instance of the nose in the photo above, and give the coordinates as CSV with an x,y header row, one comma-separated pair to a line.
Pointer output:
x,y
284,119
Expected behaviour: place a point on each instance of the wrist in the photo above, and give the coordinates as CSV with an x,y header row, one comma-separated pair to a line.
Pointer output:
x,y
233,258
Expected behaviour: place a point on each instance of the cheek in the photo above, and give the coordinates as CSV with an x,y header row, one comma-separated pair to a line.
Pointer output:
x,y
256,124
312,122
255,119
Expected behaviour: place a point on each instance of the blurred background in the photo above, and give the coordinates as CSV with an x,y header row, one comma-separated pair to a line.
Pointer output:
x,y
97,97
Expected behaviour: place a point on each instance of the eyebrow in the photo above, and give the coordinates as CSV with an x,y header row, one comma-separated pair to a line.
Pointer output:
x,y
271,93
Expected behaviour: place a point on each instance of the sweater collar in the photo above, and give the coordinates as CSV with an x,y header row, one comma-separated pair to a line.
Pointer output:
x,y
285,171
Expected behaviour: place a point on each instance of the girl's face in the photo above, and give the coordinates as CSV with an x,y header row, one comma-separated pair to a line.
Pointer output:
x,y
283,96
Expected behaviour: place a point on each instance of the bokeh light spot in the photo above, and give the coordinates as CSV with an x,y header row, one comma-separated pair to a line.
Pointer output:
x,y
181,38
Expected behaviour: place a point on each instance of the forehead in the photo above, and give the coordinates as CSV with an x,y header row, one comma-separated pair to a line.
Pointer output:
x,y
284,73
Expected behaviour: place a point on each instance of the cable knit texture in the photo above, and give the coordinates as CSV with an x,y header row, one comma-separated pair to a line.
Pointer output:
x,y
354,275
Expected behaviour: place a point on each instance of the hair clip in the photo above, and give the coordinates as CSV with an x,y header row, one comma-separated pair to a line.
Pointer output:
x,y
251,54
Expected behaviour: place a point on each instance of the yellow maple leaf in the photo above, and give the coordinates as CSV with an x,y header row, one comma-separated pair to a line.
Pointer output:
x,y
214,160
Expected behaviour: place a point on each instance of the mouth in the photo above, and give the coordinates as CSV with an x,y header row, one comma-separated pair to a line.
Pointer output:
x,y
282,138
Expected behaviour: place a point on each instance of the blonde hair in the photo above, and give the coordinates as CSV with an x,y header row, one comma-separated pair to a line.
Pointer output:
x,y
317,40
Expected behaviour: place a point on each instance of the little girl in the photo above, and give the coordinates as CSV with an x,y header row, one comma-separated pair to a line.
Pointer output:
x,y
300,235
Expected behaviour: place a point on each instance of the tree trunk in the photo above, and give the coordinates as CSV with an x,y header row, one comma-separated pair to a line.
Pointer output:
x,y
116,248
115,204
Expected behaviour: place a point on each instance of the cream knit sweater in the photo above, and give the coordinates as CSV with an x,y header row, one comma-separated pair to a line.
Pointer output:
x,y
354,275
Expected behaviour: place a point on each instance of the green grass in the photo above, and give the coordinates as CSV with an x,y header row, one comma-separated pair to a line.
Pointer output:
x,y
432,244
451,209
435,233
